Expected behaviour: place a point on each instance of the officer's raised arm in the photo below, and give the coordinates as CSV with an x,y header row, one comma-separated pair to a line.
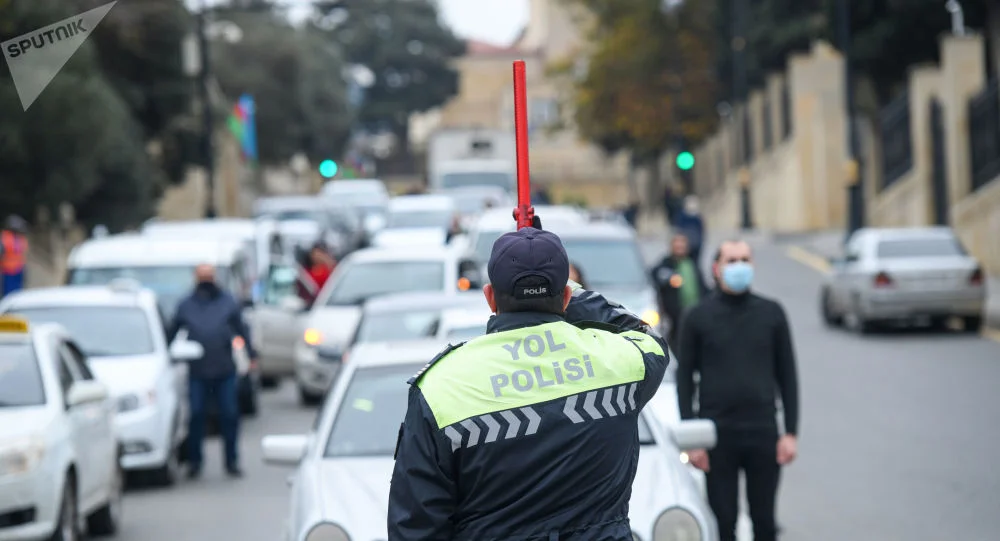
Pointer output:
x,y
422,494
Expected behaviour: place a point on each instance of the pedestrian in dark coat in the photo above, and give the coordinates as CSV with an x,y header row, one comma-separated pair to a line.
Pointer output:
x,y
680,284
212,318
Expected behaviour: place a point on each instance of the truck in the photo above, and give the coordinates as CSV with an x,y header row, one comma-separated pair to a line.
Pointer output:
x,y
460,158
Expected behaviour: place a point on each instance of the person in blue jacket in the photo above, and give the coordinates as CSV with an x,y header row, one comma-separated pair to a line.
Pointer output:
x,y
213,318
529,432
690,223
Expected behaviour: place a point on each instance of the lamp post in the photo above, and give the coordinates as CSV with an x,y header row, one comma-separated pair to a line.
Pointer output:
x,y
206,110
855,184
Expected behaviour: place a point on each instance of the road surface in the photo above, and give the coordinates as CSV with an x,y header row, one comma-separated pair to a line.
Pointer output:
x,y
899,439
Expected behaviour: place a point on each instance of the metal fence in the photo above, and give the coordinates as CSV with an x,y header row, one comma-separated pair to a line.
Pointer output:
x,y
768,129
786,112
897,148
984,135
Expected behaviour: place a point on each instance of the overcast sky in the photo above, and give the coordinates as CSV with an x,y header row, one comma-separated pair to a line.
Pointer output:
x,y
494,21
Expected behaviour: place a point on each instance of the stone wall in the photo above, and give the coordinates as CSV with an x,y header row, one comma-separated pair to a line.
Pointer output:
x,y
798,182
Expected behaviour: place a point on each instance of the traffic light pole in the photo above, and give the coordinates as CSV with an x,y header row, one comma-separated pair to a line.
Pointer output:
x,y
855,186
206,103
739,46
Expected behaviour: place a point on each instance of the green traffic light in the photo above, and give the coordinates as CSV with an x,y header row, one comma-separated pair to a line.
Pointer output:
x,y
328,168
685,161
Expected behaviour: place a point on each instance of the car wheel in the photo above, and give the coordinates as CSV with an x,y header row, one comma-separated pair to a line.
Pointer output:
x,y
856,321
973,324
168,474
307,398
106,520
68,528
829,317
269,382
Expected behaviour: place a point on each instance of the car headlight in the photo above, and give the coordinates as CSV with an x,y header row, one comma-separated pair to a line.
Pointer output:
x,y
20,456
327,532
677,524
135,401
312,337
651,317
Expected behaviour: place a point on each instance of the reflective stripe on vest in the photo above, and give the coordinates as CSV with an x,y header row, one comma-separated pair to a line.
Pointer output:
x,y
519,368
14,247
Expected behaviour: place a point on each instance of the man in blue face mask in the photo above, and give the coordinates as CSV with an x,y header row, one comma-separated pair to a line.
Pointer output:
x,y
740,345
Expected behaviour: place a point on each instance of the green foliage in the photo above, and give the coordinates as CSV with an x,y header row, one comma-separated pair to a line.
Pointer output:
x,y
407,48
295,78
77,143
649,80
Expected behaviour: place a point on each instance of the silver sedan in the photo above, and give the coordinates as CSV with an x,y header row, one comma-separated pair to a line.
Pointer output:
x,y
340,489
904,275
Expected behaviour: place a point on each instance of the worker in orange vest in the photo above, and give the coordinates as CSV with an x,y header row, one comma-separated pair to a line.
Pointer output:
x,y
13,254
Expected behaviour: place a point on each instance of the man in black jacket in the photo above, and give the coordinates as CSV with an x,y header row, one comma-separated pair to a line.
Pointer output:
x,y
680,284
741,346
212,317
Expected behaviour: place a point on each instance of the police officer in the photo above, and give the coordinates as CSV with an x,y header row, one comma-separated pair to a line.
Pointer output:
x,y
530,431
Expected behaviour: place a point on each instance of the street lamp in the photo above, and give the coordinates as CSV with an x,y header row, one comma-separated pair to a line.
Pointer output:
x,y
957,17
197,59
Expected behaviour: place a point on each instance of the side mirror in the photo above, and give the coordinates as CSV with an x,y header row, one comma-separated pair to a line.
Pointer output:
x,y
694,434
86,392
292,304
286,450
186,351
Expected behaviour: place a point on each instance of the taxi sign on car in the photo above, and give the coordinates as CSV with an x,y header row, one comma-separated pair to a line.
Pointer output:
x,y
13,325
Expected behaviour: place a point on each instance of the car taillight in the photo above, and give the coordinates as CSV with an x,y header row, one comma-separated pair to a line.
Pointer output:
x,y
977,278
882,280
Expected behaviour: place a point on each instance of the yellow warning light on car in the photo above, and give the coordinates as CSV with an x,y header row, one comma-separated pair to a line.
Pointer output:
x,y
464,284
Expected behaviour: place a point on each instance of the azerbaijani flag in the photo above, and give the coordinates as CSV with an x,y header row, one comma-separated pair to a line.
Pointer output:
x,y
242,122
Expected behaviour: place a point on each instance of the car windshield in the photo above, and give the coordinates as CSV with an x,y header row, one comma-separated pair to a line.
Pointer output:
x,y
100,331
358,199
170,284
397,326
367,421
607,263
307,215
419,218
20,376
361,281
464,333
927,247
458,180
484,244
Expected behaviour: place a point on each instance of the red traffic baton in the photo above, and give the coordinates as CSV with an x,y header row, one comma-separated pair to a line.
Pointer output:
x,y
524,213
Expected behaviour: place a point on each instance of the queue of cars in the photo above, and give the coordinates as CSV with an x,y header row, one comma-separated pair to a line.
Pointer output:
x,y
407,282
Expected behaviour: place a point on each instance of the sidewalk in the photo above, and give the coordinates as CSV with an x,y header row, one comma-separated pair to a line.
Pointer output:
x,y
815,249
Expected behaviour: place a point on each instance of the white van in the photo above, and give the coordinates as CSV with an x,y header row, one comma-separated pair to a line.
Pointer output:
x,y
165,265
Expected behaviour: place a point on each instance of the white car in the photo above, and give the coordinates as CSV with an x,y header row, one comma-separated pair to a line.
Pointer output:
x,y
340,489
495,222
417,220
118,328
59,453
368,196
251,233
472,201
333,318
461,324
